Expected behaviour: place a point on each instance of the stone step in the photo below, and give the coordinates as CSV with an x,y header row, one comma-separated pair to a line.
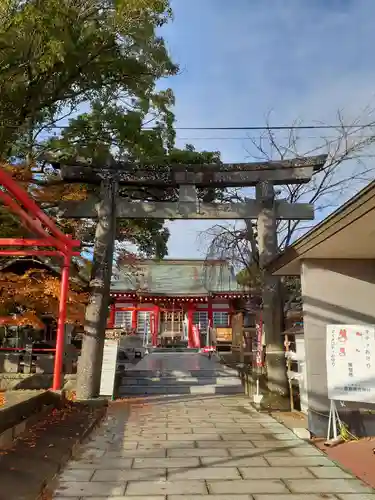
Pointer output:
x,y
179,374
144,390
183,381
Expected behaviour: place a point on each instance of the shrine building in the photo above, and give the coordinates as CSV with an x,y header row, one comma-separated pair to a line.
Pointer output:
x,y
165,299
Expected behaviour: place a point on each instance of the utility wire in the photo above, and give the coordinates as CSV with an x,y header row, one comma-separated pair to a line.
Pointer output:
x,y
274,127
246,138
279,127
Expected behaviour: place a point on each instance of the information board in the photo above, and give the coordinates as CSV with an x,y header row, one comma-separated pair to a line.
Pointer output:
x,y
350,355
107,380
224,334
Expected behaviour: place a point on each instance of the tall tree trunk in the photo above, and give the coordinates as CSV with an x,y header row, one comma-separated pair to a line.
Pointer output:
x,y
277,381
90,364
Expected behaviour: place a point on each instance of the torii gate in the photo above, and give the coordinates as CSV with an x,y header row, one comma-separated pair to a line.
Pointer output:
x,y
34,219
186,178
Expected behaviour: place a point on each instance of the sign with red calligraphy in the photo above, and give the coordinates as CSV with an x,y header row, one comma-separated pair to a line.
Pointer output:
x,y
350,357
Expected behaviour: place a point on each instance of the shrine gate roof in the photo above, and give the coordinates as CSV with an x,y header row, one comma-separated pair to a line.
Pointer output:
x,y
176,277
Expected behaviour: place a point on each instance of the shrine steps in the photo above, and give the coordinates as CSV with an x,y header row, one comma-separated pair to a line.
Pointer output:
x,y
151,384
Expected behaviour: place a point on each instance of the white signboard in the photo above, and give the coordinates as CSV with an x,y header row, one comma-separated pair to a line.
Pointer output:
x,y
107,380
351,362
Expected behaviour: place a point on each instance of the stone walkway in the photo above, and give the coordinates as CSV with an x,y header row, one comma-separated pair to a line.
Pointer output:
x,y
215,449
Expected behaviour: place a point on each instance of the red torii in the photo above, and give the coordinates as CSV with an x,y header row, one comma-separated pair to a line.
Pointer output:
x,y
33,218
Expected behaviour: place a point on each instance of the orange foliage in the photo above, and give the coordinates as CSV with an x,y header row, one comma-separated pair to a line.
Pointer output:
x,y
59,192
54,192
21,173
36,292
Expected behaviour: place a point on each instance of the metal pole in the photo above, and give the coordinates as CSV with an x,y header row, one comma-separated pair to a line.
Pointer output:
x,y
59,354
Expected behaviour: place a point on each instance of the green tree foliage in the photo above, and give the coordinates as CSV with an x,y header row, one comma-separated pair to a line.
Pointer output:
x,y
60,56
250,277
116,131
55,53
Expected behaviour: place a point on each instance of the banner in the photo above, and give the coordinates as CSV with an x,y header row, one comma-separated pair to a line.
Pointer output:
x,y
259,343
196,337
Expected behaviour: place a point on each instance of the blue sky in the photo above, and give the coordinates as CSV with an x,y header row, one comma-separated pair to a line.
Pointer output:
x,y
300,59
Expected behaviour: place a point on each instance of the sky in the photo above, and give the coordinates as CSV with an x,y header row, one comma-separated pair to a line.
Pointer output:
x,y
244,60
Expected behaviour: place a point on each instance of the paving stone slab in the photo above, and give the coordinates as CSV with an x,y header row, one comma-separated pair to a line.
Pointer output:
x,y
198,452
174,430
225,444
300,461
89,489
126,497
118,475
292,496
192,487
232,436
77,475
234,462
265,430
275,473
140,438
306,451
330,473
210,497
211,430
208,473
90,453
357,496
142,463
124,445
105,463
151,445
141,452
256,452
194,437
286,436
67,498
274,443
247,486
327,486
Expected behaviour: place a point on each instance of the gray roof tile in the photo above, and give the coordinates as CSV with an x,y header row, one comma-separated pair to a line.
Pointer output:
x,y
177,277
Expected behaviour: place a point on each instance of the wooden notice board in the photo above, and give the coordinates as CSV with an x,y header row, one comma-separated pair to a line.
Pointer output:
x,y
223,334
107,380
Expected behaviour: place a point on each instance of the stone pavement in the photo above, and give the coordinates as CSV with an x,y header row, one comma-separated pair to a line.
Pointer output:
x,y
216,449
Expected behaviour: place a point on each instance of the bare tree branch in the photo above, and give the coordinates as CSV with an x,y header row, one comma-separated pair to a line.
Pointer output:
x,y
348,168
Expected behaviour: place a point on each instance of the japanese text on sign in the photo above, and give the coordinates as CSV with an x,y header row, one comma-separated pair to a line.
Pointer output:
x,y
351,363
107,380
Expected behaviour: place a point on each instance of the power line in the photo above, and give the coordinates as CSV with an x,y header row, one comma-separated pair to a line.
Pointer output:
x,y
246,138
280,127
273,127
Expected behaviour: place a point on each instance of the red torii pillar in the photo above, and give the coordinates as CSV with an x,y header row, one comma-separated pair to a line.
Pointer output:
x,y
34,219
